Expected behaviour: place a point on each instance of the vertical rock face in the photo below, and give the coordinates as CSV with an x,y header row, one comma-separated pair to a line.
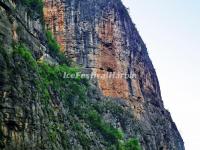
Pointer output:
x,y
100,35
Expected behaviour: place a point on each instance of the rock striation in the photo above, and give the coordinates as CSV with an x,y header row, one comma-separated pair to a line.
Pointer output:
x,y
101,37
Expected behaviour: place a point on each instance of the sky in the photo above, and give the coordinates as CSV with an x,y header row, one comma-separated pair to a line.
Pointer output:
x,y
171,31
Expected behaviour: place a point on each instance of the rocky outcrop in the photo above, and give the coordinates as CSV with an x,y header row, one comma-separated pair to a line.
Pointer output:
x,y
41,110
17,25
100,35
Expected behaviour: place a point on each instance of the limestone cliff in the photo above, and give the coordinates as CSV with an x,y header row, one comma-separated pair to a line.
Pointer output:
x,y
100,35
41,110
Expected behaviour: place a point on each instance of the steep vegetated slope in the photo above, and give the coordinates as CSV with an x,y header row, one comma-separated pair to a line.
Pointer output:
x,y
40,109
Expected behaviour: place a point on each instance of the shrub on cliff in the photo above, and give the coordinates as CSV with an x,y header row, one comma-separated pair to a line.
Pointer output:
x,y
132,144
54,49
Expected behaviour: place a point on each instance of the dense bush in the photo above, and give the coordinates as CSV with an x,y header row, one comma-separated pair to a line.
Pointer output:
x,y
52,43
109,132
54,49
131,144
25,53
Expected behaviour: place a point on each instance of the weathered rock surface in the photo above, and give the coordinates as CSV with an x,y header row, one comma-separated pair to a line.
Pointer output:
x,y
99,35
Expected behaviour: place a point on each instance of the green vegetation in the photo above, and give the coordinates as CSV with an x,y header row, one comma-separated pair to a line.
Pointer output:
x,y
51,82
52,77
72,92
54,129
112,134
81,135
54,49
131,144
26,54
52,44
53,132
109,132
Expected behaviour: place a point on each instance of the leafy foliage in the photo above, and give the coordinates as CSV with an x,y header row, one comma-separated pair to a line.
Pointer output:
x,y
25,53
131,144
83,138
54,49
109,132
52,44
